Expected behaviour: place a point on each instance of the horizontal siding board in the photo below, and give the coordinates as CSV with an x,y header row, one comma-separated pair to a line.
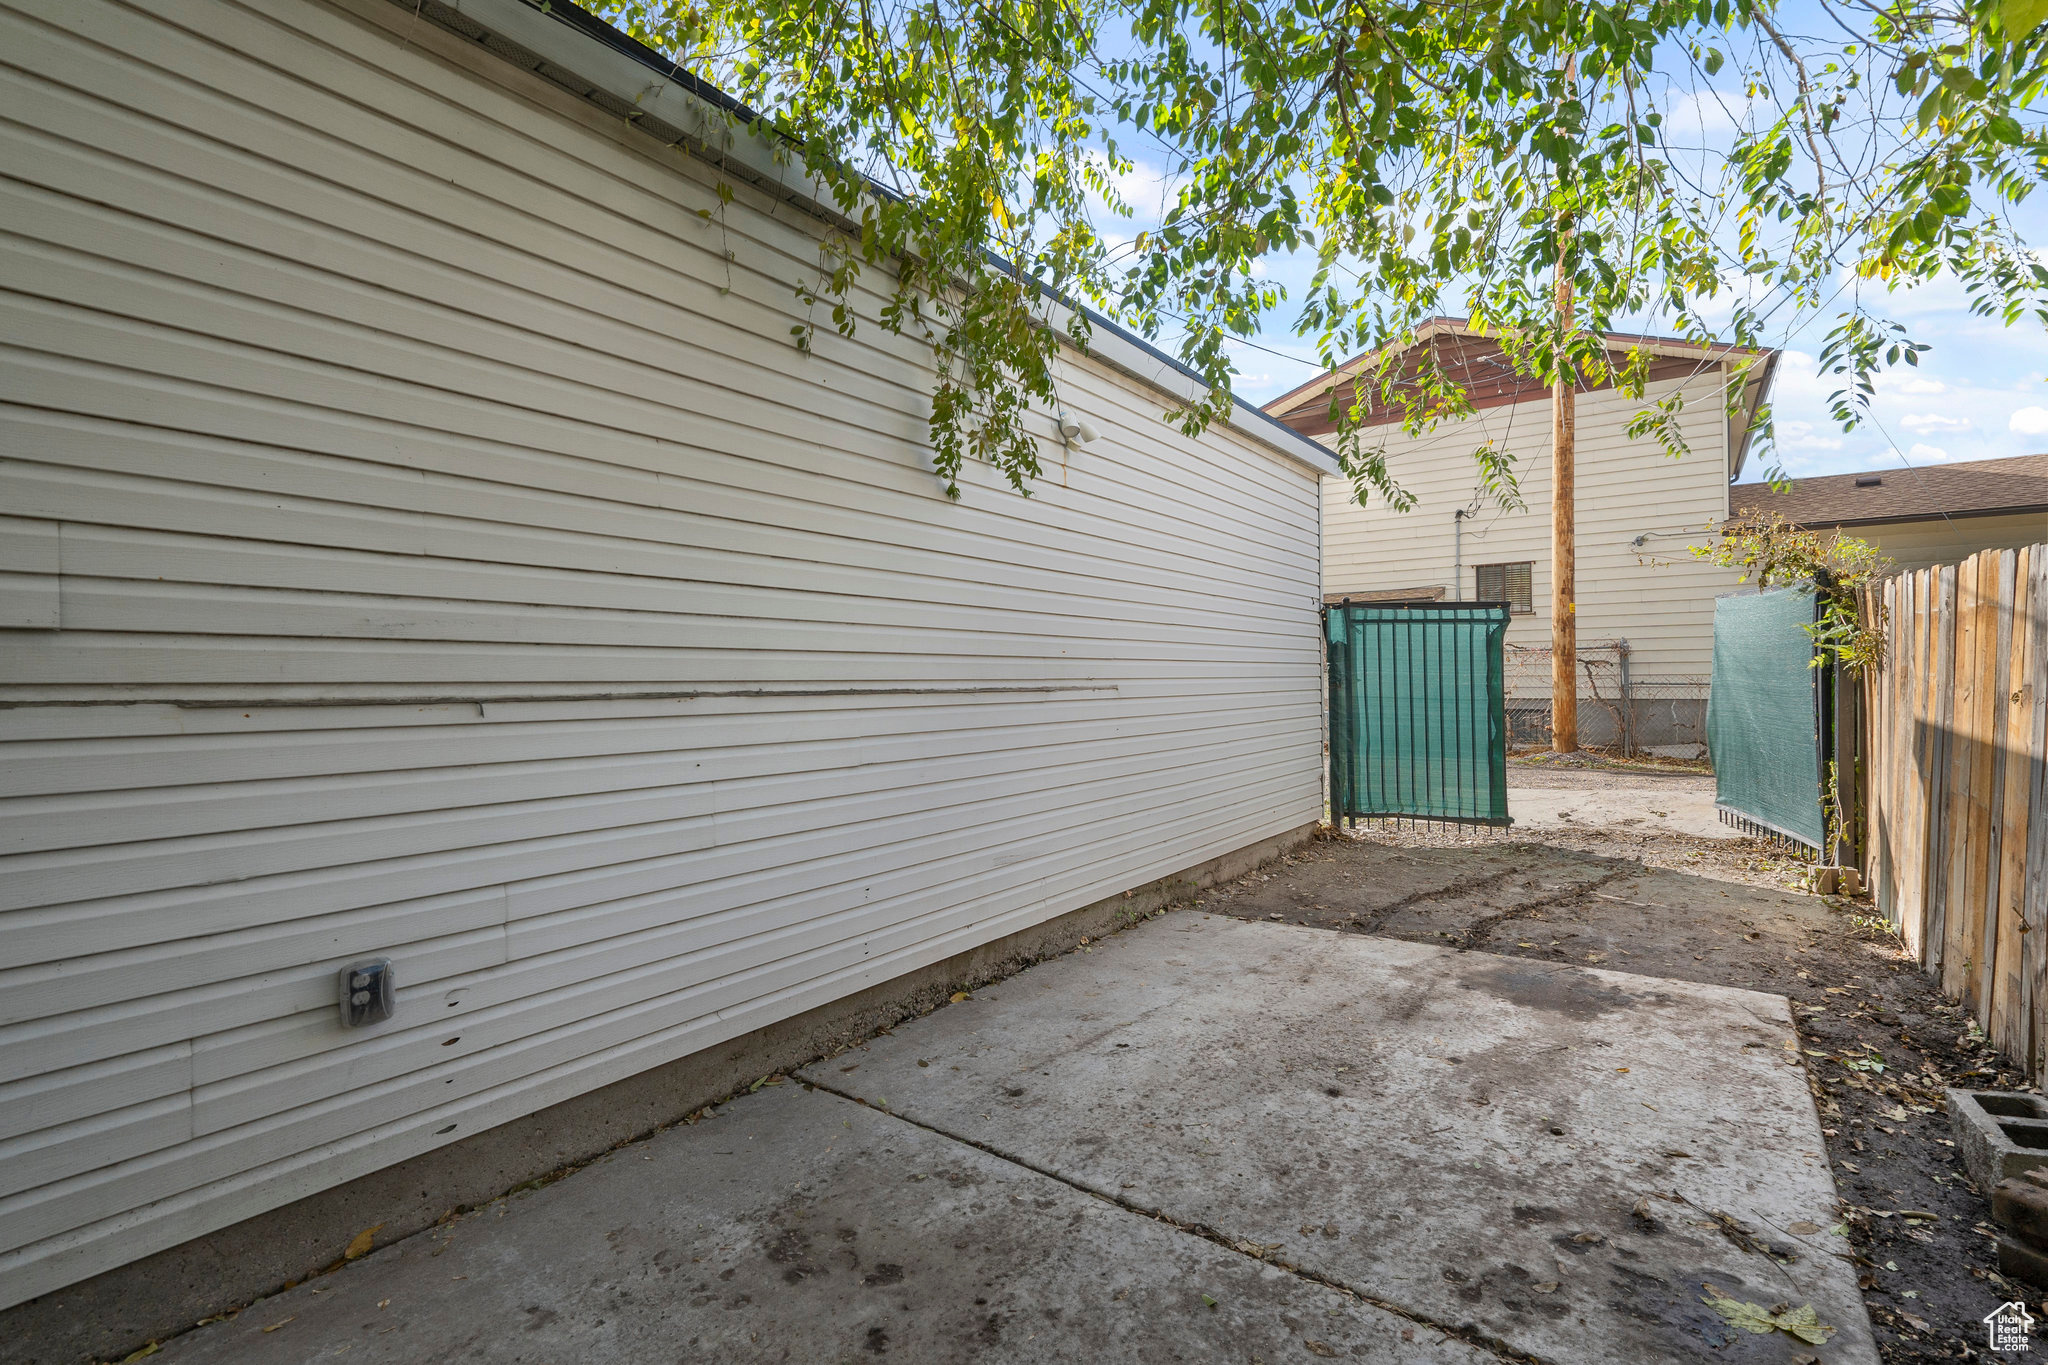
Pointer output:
x,y
226,489
76,1092
442,553
223,273
63,1257
28,574
790,956
565,988
380,741
1656,596
56,1042
659,294
186,364
118,554
558,870
105,1138
702,751
119,658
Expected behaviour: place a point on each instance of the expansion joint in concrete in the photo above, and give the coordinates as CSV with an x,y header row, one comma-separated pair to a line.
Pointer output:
x,y
1492,1345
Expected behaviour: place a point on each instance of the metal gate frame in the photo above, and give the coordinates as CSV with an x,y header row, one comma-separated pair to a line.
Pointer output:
x,y
1436,770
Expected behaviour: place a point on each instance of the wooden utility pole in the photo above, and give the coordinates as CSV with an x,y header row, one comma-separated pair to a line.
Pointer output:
x,y
1564,625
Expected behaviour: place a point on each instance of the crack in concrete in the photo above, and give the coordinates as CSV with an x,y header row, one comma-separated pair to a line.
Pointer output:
x,y
1494,1346
1458,888
1473,934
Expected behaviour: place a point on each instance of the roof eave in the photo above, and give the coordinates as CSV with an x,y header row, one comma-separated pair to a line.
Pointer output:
x,y
1759,389
1676,347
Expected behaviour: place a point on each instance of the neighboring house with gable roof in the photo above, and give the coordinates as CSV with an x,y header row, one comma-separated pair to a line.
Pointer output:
x,y
1918,516
1640,595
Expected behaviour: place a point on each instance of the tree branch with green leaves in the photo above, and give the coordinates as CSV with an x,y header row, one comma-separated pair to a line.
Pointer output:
x,y
1426,158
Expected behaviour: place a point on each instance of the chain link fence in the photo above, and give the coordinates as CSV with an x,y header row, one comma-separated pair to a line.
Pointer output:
x,y
1619,712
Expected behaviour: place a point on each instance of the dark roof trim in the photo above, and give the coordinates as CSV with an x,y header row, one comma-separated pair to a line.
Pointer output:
x,y
1431,328
1904,518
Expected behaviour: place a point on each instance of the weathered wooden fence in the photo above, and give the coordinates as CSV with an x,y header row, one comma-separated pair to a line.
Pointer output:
x,y
1955,784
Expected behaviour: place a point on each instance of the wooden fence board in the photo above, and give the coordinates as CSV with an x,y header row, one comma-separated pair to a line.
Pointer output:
x,y
1919,761
1908,909
2001,936
2012,1005
1940,727
1972,898
2033,888
1955,757
1956,956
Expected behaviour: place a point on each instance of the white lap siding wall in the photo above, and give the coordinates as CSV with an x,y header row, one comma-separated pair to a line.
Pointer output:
x,y
1656,596
421,538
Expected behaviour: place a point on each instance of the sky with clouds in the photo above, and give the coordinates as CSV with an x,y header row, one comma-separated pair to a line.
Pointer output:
x,y
1980,393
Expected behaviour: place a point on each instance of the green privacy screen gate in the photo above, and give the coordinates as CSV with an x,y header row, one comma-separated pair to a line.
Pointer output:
x,y
1418,716
1764,715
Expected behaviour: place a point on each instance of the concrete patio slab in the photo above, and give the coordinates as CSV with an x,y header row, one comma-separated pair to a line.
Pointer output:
x,y
799,1226
1524,1152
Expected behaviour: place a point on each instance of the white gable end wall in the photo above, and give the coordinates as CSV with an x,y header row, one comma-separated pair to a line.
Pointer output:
x,y
1657,597
423,540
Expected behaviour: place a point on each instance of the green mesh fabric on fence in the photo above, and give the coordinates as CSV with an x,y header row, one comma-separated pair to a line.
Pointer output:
x,y
1418,718
1763,714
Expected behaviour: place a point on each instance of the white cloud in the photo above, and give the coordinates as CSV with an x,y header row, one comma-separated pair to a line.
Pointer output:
x,y
1805,436
2029,421
1927,423
1922,453
1905,381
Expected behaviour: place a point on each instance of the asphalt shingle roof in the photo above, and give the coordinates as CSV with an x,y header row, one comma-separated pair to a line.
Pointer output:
x,y
1972,487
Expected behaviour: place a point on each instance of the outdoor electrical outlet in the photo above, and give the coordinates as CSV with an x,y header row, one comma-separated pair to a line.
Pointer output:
x,y
368,994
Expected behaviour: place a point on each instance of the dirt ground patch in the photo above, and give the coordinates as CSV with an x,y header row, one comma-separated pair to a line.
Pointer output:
x,y
1880,1040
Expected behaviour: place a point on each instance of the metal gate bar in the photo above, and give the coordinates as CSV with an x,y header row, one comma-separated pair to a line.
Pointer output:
x,y
1418,715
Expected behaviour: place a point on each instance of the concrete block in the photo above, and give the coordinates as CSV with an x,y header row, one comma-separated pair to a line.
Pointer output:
x,y
2021,1208
2001,1134
2018,1261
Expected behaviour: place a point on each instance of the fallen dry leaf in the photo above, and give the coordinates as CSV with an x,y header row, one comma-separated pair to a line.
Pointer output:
x,y
957,996
1803,1228
275,1325
1801,1322
359,1245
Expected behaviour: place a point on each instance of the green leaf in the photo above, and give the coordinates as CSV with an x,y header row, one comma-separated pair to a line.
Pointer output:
x,y
2022,17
